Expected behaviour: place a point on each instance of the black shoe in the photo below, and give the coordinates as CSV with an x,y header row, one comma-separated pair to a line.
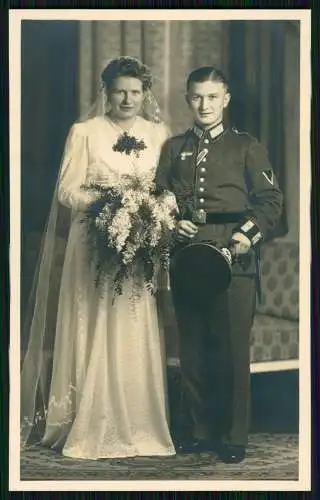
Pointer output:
x,y
230,454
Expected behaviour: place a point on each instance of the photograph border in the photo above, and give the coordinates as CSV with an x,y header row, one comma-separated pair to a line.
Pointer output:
x,y
15,19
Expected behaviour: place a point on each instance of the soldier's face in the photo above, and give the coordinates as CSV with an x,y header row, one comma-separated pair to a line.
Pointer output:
x,y
207,101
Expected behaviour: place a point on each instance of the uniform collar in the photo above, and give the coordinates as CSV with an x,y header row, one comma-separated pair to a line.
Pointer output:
x,y
213,131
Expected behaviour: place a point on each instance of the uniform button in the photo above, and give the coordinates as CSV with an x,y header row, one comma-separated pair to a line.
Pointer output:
x,y
204,159
203,169
206,141
201,189
201,210
201,200
201,179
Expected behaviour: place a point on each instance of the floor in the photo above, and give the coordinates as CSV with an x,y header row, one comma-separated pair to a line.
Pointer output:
x,y
269,457
272,452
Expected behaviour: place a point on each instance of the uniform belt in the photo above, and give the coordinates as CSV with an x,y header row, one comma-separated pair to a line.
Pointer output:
x,y
223,218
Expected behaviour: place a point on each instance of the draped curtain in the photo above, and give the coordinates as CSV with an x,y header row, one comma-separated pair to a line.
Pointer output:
x,y
170,48
263,66
49,104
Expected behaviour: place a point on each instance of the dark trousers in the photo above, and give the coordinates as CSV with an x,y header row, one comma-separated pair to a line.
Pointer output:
x,y
214,339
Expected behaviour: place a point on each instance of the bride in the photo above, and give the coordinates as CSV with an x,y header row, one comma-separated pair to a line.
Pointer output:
x,y
103,395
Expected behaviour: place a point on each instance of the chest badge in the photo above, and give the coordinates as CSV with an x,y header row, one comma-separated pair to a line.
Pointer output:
x,y
185,154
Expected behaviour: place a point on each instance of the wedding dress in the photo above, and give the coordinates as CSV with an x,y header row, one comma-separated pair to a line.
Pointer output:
x,y
108,385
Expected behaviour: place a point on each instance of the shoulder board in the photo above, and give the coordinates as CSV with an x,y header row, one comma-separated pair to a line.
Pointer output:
x,y
239,132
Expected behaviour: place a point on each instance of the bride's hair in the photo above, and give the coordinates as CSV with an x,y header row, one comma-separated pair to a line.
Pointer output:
x,y
126,66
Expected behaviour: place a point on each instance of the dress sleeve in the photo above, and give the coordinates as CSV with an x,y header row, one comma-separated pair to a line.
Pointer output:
x,y
73,171
164,132
159,133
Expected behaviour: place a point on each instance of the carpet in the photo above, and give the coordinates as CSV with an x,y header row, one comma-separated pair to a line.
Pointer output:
x,y
269,457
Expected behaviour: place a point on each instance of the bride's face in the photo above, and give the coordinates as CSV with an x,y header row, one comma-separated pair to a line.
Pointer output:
x,y
125,97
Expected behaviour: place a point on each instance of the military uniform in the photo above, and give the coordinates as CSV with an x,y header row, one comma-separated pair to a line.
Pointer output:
x,y
223,182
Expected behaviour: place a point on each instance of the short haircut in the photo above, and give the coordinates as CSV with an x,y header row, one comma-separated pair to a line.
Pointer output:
x,y
207,74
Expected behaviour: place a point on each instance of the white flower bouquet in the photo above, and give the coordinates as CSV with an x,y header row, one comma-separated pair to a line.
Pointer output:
x,y
130,232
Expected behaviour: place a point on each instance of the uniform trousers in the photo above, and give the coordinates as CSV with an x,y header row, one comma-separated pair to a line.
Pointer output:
x,y
214,344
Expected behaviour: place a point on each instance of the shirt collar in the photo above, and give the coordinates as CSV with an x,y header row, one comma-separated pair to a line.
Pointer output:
x,y
213,131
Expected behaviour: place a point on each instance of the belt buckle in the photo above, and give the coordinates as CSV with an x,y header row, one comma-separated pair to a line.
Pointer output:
x,y
199,217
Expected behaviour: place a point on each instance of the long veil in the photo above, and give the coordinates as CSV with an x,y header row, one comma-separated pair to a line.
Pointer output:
x,y
40,319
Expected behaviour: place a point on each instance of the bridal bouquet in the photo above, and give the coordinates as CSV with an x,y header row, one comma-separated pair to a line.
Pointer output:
x,y
130,232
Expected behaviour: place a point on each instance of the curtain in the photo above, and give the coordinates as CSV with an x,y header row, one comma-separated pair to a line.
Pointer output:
x,y
49,105
170,48
292,127
263,67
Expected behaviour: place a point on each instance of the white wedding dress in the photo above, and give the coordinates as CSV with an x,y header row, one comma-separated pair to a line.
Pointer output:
x,y
108,387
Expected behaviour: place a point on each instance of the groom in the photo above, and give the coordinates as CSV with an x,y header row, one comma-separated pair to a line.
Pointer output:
x,y
226,193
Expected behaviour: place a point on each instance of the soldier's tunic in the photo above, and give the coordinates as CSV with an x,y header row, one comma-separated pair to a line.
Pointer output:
x,y
223,181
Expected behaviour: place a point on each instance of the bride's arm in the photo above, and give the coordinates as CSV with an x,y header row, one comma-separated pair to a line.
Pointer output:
x,y
73,170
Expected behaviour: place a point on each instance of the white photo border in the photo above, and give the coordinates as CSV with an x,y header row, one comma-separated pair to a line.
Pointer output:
x,y
15,19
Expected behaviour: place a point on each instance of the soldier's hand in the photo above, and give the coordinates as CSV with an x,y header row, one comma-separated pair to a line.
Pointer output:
x,y
240,244
185,229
